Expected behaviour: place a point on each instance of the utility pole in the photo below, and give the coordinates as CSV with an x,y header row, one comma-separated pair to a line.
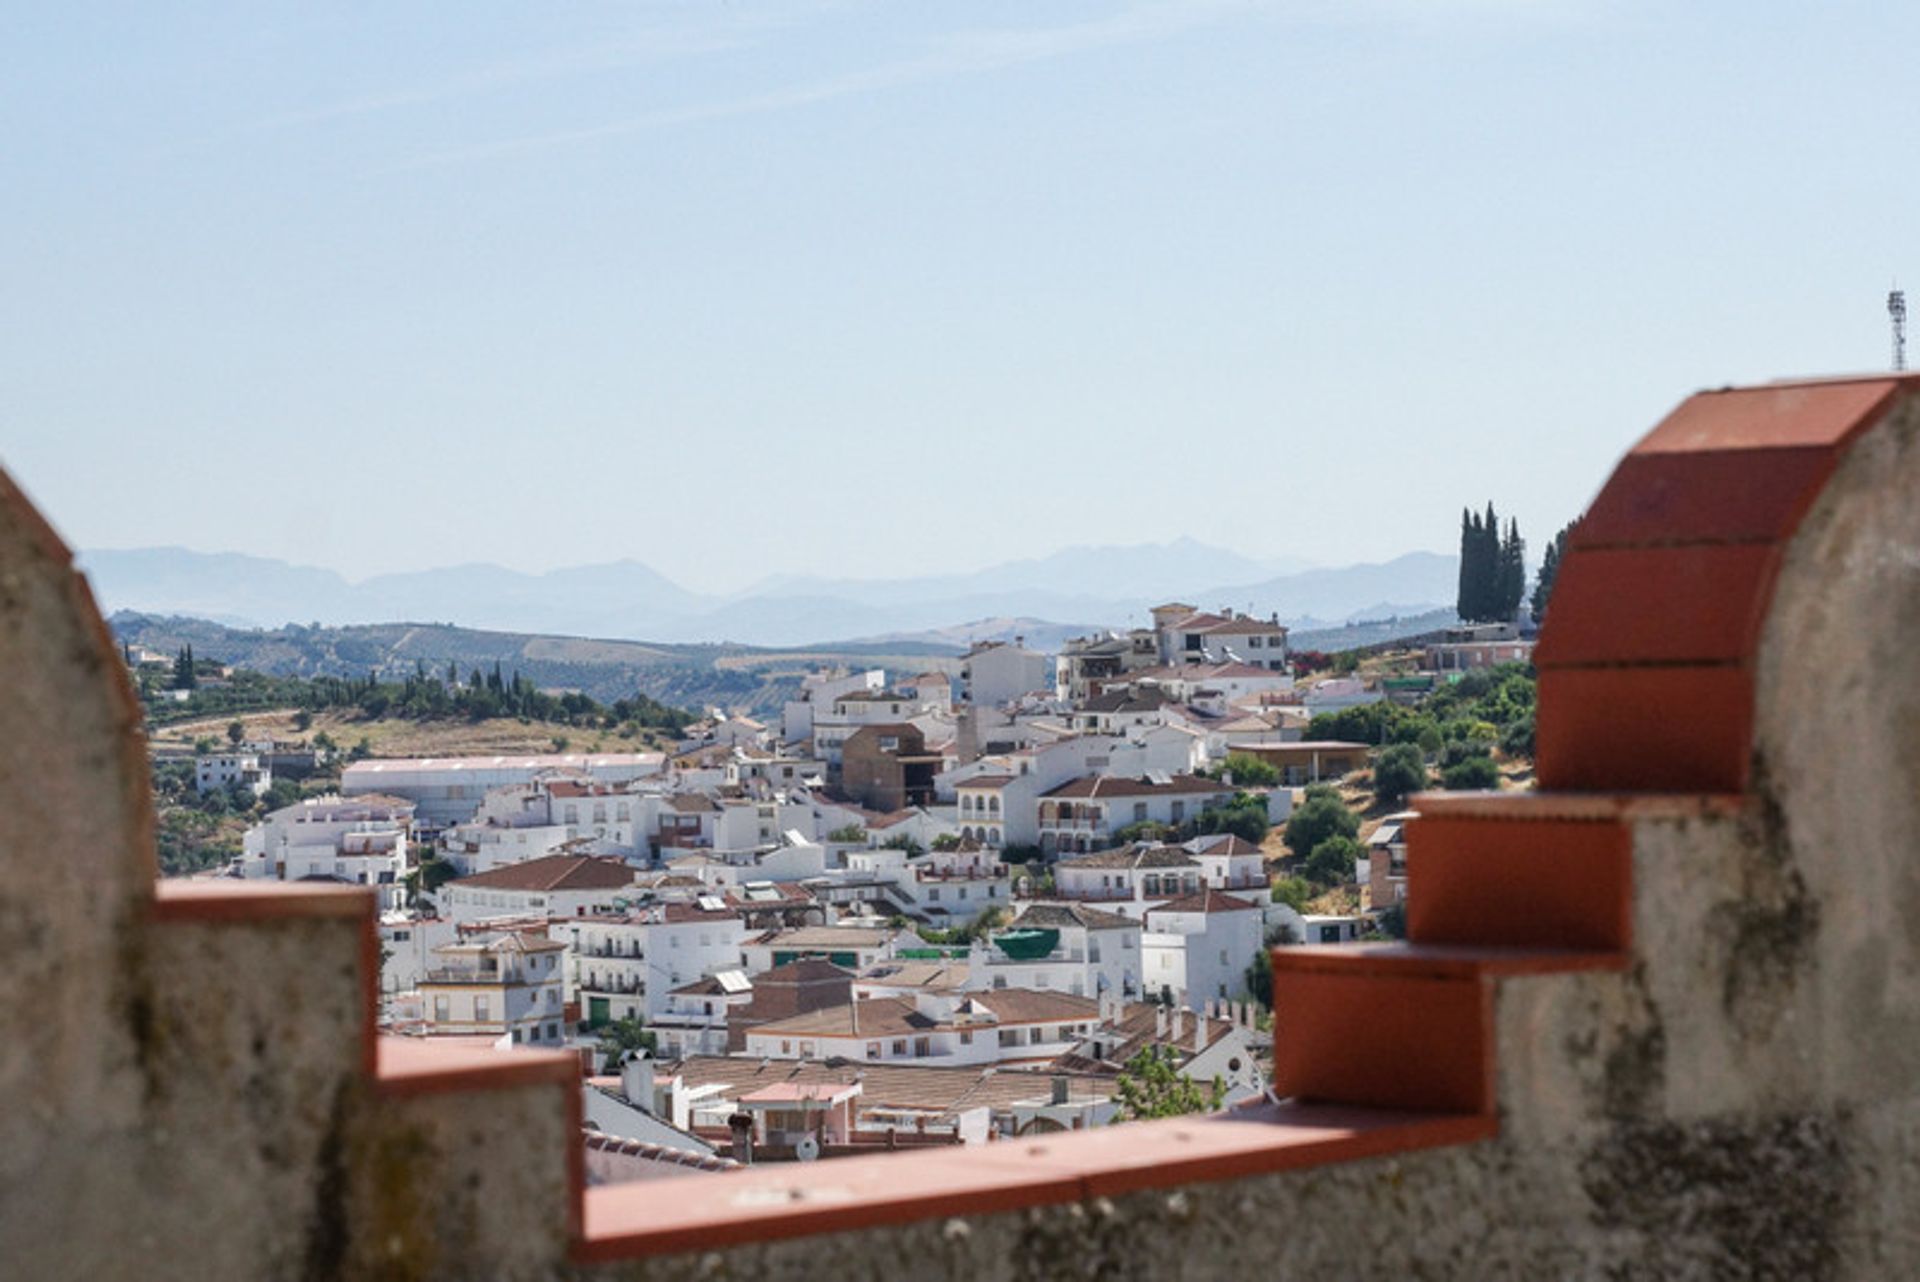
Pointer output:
x,y
1897,313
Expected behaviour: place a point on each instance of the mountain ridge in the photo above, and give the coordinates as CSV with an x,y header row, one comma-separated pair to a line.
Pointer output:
x,y
1107,586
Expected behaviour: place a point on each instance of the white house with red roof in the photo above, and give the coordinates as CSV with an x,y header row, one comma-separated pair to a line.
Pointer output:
x,y
558,885
1083,814
1198,947
1189,635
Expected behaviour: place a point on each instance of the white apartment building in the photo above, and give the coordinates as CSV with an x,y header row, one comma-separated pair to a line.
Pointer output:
x,y
508,987
218,770
362,841
626,965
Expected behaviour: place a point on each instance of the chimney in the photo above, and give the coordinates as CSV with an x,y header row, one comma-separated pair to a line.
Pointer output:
x,y
1060,1085
636,1080
741,1124
1160,1023
1199,1034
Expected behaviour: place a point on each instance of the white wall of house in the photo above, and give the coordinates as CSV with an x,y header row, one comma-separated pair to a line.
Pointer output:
x,y
635,962
998,674
1202,956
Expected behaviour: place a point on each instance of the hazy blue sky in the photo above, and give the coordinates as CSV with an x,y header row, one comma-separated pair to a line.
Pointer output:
x,y
735,288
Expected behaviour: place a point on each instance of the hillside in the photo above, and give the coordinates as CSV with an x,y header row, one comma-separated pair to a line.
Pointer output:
x,y
740,678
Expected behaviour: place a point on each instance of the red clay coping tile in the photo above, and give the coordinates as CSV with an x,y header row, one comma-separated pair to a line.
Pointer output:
x,y
1439,961
233,900
1725,496
1683,728
793,1199
1771,416
415,1066
1548,883
1695,603
1577,807
1383,1040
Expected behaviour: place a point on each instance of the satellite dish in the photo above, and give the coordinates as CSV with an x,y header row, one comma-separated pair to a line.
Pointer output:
x,y
807,1149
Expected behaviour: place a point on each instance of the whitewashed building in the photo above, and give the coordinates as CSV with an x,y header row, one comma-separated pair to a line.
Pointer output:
x,y
558,885
508,987
627,965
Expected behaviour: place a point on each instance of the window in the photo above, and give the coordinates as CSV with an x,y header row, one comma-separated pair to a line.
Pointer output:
x,y
1254,643
1139,811
900,1046
922,1047
482,1010
873,1050
933,894
1009,1037
966,1038
441,1011
1179,811
786,1048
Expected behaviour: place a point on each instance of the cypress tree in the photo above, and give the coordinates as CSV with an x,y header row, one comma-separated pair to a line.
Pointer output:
x,y
1513,572
1556,551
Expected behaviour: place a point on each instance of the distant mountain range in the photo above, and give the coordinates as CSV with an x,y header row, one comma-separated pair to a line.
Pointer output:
x,y
1068,593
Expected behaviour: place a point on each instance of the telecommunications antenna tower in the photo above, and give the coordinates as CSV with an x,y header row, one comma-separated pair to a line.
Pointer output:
x,y
1897,313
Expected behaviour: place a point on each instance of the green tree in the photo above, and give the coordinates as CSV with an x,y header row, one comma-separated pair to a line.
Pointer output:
x,y
1471,773
1398,772
1513,572
303,721
1550,558
623,1035
1294,892
1320,816
436,872
1151,1086
849,833
1260,969
1249,771
184,677
236,731
1332,862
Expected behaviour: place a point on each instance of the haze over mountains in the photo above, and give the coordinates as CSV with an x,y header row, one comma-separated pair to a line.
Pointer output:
x,y
1074,589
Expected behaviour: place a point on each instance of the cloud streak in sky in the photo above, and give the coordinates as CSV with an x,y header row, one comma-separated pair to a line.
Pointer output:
x,y
961,54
